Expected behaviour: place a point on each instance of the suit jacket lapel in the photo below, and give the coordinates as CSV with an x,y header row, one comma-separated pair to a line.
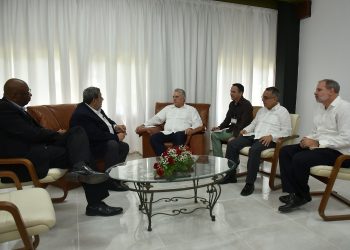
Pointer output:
x,y
24,113
29,118
94,116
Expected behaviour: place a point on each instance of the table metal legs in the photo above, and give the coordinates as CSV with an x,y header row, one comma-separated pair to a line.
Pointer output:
x,y
146,195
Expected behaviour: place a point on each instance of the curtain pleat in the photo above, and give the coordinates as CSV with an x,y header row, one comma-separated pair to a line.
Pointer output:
x,y
137,52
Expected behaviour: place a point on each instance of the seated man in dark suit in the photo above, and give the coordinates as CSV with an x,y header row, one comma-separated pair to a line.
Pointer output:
x,y
105,136
22,136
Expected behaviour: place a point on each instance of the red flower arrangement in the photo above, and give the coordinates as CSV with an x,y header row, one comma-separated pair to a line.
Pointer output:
x,y
174,160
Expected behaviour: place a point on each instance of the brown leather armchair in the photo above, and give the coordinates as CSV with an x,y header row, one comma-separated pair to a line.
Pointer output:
x,y
198,142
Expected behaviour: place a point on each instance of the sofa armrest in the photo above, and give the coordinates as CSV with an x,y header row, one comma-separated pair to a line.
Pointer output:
x,y
149,131
14,211
13,177
197,131
27,164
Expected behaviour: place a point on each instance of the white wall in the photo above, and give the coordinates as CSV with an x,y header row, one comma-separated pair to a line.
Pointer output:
x,y
324,53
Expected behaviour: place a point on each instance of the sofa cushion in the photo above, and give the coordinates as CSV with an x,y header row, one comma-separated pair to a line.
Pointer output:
x,y
267,153
325,171
29,202
53,117
53,175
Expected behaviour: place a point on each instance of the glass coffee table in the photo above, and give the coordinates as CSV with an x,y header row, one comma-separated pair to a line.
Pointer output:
x,y
207,173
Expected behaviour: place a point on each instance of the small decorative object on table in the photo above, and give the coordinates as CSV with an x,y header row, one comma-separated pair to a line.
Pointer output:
x,y
173,161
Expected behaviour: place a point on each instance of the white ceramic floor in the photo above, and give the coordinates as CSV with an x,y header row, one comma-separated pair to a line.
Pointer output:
x,y
251,222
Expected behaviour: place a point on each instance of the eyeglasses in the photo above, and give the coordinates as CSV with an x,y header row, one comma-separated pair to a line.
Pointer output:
x,y
29,92
267,97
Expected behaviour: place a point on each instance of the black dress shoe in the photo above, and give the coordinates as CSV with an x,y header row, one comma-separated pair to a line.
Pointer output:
x,y
248,189
102,209
229,178
115,185
287,198
294,203
84,173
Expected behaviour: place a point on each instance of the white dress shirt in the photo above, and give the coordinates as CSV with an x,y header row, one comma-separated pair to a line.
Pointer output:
x,y
332,126
98,112
176,119
275,122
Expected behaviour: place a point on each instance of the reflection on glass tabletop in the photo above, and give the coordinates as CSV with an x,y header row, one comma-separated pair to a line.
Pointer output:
x,y
141,170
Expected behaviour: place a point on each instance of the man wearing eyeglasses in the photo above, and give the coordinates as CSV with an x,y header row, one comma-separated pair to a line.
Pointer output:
x,y
270,123
22,137
105,136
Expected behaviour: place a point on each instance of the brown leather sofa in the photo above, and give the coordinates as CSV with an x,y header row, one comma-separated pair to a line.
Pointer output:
x,y
54,117
57,117
199,142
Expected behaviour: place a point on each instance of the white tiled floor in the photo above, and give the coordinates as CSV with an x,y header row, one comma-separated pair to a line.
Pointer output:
x,y
251,222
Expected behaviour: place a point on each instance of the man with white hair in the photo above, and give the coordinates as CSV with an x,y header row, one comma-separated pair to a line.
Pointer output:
x,y
180,120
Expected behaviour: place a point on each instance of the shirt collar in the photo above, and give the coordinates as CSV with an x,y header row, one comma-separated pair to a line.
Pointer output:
x,y
94,110
335,102
16,105
184,106
239,102
275,107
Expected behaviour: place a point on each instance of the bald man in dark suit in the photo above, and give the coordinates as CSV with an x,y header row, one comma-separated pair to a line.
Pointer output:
x,y
22,136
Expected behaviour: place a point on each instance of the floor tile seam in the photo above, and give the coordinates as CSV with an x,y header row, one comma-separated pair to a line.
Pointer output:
x,y
261,226
188,243
296,223
261,201
314,232
78,222
225,200
247,242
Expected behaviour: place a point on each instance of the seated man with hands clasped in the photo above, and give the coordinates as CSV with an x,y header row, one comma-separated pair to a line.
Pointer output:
x,y
180,120
22,137
238,116
271,123
105,136
329,139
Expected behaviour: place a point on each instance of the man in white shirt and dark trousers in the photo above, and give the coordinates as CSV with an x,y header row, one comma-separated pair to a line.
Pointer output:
x,y
180,120
271,123
329,139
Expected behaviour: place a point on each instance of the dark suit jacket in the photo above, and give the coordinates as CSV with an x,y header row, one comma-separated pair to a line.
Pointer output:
x,y
21,136
95,128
